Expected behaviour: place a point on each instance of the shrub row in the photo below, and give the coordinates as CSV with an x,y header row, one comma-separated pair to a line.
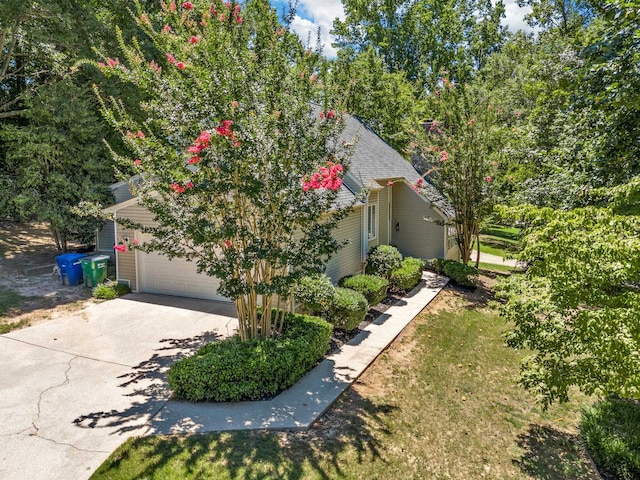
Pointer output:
x,y
373,288
233,370
408,275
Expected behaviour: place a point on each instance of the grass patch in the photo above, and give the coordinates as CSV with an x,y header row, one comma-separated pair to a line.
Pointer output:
x,y
9,301
500,240
439,403
494,267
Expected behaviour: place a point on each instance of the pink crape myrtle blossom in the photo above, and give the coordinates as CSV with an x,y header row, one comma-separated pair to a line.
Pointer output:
x,y
120,247
327,177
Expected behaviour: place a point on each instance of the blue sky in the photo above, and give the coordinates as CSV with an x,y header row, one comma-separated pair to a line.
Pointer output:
x,y
312,14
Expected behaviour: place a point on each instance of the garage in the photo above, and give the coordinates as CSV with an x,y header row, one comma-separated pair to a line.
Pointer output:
x,y
158,274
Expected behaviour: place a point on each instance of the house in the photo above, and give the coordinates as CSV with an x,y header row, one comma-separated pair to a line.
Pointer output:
x,y
393,213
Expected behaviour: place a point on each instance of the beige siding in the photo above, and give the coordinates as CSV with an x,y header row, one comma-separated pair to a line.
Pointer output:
x,y
126,261
416,237
347,260
384,235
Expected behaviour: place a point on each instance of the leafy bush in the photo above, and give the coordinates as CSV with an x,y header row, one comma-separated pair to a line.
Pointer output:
x,y
233,370
382,260
460,273
109,291
349,310
610,430
408,275
437,265
373,288
316,293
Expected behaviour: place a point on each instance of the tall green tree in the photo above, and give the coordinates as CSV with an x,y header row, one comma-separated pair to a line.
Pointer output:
x,y
56,160
426,37
237,166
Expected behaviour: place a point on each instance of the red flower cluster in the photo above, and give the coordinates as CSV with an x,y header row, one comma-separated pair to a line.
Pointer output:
x,y
225,128
330,114
155,66
327,177
166,28
120,248
193,40
187,5
176,187
138,134
111,63
444,156
203,141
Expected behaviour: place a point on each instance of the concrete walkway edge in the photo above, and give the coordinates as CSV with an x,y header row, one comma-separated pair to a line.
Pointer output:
x,y
301,405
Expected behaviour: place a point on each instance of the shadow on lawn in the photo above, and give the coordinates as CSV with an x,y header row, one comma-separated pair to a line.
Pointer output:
x,y
355,423
551,454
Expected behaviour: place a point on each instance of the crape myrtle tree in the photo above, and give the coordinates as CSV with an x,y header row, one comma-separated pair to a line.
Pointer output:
x,y
238,167
458,152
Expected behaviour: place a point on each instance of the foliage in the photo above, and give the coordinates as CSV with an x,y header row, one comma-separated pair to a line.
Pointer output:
x,y
387,102
233,369
577,306
408,275
424,38
382,259
316,293
458,150
349,310
231,152
55,160
610,430
461,274
373,288
110,290
437,265
9,300
566,16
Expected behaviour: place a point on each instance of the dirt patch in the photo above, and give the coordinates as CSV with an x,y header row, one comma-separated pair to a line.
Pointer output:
x,y
27,260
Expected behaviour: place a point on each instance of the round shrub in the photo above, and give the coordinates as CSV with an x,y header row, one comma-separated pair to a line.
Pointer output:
x,y
373,288
316,293
349,310
233,370
610,430
437,265
408,275
104,292
461,274
382,260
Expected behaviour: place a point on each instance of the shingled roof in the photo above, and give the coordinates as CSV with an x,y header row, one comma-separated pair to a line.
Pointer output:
x,y
374,162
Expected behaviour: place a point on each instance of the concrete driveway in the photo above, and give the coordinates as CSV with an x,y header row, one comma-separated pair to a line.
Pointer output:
x,y
73,389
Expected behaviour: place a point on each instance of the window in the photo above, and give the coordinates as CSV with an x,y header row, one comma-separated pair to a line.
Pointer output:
x,y
372,222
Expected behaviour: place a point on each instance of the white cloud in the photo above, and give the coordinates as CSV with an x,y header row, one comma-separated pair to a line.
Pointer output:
x,y
515,16
313,14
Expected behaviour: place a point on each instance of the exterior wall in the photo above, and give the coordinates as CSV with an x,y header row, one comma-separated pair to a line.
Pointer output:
x,y
415,236
126,261
105,239
384,221
347,260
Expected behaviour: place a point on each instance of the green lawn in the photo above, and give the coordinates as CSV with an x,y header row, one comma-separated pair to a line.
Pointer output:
x,y
500,240
440,403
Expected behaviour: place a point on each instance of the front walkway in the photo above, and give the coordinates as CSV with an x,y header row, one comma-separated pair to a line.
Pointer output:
x,y
75,388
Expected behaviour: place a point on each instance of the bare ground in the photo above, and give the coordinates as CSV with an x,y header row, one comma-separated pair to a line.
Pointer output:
x,y
27,258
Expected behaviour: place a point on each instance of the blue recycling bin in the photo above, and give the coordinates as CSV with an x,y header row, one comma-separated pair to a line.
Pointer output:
x,y
70,268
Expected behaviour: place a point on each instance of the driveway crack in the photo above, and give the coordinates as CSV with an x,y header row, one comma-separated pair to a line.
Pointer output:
x,y
34,423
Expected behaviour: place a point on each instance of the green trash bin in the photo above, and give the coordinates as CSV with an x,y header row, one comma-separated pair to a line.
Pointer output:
x,y
94,269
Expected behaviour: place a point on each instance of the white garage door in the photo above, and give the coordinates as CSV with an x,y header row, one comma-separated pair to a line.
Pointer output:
x,y
158,274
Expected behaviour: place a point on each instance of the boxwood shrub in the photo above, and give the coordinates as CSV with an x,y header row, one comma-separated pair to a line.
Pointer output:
x,y
316,293
373,288
382,260
233,370
461,274
610,430
408,275
349,310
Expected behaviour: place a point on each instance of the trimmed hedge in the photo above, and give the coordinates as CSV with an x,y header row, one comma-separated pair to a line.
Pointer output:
x,y
610,430
233,370
408,275
382,260
316,293
349,310
373,288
